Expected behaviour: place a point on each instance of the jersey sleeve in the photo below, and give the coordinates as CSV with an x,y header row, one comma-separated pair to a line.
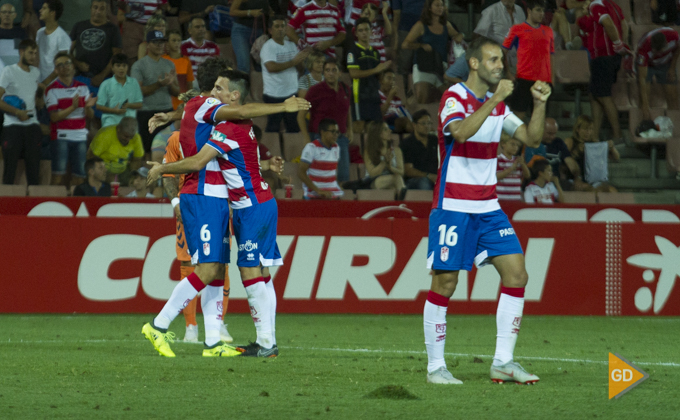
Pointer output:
x,y
308,154
553,192
220,141
267,54
529,195
297,20
512,39
138,148
451,109
51,100
206,112
598,11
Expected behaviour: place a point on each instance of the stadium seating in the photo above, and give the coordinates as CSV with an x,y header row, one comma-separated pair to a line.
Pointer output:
x,y
634,119
643,13
12,190
290,169
625,7
419,195
293,143
47,191
273,143
348,195
615,198
260,122
580,197
375,195
571,67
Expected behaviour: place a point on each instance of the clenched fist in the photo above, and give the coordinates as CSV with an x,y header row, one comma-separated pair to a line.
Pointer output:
x,y
504,89
541,91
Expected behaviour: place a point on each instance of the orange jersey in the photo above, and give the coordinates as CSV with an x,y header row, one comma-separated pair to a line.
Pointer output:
x,y
173,154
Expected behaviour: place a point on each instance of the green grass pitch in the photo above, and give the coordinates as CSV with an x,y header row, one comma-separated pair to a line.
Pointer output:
x,y
332,366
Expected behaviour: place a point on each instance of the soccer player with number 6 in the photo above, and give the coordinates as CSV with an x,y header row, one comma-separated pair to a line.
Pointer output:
x,y
466,223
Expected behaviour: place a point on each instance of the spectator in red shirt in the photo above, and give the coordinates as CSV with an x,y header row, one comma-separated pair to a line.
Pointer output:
x,y
534,43
197,48
657,57
330,99
604,23
323,37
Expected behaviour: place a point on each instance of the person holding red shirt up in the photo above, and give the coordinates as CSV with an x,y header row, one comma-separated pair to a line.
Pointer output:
x,y
604,23
534,43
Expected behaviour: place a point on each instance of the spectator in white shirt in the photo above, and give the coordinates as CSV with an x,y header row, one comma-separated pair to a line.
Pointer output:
x,y
496,22
280,59
545,189
138,182
51,39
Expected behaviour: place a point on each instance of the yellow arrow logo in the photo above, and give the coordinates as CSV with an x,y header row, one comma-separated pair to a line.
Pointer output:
x,y
623,376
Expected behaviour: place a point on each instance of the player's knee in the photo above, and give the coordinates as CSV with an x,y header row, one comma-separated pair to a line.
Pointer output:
x,y
517,279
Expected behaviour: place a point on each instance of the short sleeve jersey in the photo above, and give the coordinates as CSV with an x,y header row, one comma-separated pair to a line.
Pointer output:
x,y
318,23
240,160
467,173
598,43
510,187
542,195
59,97
323,167
534,47
644,55
365,89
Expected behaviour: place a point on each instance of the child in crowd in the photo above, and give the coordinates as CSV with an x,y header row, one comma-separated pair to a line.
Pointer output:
x,y
511,169
545,189
138,182
119,96
378,33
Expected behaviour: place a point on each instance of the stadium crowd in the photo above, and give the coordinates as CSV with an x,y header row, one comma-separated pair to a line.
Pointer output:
x,y
76,103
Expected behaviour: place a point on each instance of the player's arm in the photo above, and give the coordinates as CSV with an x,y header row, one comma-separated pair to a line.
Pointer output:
x,y
462,130
252,110
187,165
302,174
642,87
533,134
163,118
355,73
171,188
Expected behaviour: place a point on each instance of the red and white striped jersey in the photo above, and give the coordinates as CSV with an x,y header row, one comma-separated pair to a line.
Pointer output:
x,y
318,23
59,97
197,54
597,41
141,11
323,167
376,41
357,5
194,133
394,104
467,171
510,187
240,162
546,194
647,58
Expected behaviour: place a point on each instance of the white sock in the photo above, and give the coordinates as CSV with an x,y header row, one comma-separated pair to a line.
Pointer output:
x,y
508,320
185,290
258,300
272,305
434,324
211,304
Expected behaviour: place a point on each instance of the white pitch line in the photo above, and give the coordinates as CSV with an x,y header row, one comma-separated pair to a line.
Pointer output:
x,y
481,356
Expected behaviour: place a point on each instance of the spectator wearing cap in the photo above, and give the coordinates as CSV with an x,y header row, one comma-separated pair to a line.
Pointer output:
x,y
421,154
138,182
120,146
69,104
280,59
95,41
119,96
155,23
134,15
657,58
330,99
96,185
21,132
321,26
10,35
157,78
405,13
248,26
197,48
51,39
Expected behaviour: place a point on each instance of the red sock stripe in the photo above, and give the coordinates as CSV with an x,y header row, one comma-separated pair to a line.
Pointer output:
x,y
513,291
267,279
437,299
196,282
247,283
217,283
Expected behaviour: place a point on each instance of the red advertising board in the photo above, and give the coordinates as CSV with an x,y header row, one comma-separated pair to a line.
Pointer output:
x,y
99,259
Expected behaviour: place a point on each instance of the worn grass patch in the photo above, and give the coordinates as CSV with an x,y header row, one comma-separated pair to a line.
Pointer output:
x,y
392,392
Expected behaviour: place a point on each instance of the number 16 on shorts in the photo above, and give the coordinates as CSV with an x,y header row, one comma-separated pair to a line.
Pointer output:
x,y
447,238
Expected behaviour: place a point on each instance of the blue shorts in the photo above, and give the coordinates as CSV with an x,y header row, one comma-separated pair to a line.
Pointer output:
x,y
65,151
459,239
255,233
206,227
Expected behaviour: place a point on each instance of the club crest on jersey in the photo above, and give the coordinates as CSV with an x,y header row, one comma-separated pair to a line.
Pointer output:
x,y
444,254
206,248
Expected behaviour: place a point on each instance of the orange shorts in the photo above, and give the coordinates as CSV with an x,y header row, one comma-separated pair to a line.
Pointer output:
x,y
181,243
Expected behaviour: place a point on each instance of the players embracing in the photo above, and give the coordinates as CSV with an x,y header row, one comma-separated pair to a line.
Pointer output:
x,y
467,224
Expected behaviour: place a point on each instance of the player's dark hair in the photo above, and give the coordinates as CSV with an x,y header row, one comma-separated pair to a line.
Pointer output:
x,y
420,114
56,6
426,16
475,49
658,41
532,4
26,44
238,81
274,19
326,123
120,58
89,164
538,167
209,71
361,21
61,54
258,132
330,61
